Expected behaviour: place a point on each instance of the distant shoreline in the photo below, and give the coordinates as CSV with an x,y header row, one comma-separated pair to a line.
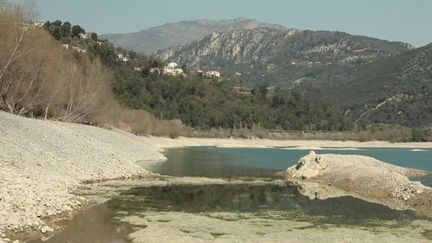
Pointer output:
x,y
166,143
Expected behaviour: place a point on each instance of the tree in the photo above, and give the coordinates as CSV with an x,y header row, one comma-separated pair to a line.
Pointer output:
x,y
94,36
56,32
57,23
47,25
77,30
66,29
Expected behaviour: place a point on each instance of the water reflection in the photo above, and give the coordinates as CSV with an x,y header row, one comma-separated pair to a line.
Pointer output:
x,y
252,198
271,201
207,162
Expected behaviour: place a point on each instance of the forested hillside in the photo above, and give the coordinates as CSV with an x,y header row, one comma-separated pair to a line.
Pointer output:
x,y
392,90
284,58
43,78
60,71
374,81
203,102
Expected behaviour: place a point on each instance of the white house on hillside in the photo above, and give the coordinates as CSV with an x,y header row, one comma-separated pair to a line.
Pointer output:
x,y
212,73
172,65
173,71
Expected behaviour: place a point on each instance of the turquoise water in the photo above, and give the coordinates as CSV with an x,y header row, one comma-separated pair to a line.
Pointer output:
x,y
263,162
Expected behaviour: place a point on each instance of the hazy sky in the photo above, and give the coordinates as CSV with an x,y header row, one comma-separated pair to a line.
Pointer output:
x,y
398,20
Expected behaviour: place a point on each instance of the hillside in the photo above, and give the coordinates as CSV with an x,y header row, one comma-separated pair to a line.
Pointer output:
x,y
397,89
284,58
375,81
180,33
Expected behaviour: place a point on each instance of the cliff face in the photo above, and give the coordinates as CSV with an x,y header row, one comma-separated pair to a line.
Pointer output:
x,y
239,46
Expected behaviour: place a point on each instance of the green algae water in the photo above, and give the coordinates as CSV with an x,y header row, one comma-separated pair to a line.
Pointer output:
x,y
249,205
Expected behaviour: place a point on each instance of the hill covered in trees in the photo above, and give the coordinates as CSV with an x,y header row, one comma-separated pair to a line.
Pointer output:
x,y
229,102
283,57
59,71
203,102
42,77
396,89
374,81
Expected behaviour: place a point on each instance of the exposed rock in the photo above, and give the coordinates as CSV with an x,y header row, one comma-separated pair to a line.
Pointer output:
x,y
180,33
330,175
46,229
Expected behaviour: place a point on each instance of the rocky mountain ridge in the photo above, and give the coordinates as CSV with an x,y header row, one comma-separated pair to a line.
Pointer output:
x,y
180,33
284,57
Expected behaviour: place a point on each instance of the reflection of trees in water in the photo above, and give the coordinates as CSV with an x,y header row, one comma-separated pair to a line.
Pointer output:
x,y
253,198
270,201
190,162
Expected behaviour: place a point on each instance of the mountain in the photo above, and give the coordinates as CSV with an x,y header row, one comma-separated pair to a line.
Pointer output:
x,y
375,81
396,89
282,57
180,33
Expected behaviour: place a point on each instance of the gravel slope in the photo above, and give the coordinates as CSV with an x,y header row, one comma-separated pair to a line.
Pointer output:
x,y
42,162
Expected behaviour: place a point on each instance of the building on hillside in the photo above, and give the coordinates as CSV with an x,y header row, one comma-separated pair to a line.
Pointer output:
x,y
122,57
173,65
212,74
78,49
199,72
38,24
173,71
82,36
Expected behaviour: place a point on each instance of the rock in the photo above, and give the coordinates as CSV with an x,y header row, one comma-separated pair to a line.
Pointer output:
x,y
331,175
46,229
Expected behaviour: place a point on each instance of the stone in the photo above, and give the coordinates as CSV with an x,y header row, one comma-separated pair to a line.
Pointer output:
x,y
46,229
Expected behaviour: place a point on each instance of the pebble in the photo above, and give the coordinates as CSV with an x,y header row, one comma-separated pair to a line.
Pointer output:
x,y
46,229
37,178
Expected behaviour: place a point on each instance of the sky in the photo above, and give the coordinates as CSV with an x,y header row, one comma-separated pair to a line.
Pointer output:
x,y
396,20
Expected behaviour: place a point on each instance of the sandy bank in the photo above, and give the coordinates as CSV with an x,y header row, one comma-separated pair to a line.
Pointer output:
x,y
330,175
266,143
42,162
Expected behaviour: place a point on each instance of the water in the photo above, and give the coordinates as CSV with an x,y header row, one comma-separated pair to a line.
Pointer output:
x,y
264,162
256,209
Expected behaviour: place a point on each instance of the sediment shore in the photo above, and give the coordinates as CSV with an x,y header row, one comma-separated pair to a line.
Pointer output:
x,y
43,162
165,143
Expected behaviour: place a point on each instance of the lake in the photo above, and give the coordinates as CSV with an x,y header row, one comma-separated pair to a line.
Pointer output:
x,y
260,207
217,162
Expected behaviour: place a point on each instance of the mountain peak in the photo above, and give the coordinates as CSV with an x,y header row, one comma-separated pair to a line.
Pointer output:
x,y
180,33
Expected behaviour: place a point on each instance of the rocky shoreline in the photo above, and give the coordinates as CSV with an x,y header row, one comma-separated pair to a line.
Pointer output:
x,y
43,162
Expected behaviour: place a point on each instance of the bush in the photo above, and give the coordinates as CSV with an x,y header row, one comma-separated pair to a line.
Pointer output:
x,y
418,135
